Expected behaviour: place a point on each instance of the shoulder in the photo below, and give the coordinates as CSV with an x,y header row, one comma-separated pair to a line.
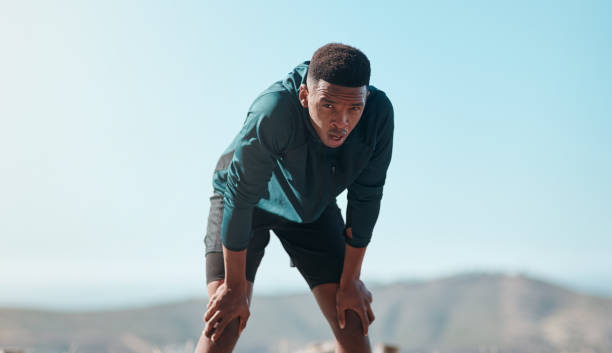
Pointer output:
x,y
377,121
380,106
280,100
273,117
274,103
275,110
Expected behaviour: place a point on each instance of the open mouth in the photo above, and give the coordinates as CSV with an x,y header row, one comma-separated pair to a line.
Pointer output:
x,y
336,137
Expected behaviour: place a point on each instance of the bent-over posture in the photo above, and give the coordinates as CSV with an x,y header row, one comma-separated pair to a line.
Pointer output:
x,y
319,131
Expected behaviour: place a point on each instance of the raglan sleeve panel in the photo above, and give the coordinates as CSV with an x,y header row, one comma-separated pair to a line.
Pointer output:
x,y
365,193
265,135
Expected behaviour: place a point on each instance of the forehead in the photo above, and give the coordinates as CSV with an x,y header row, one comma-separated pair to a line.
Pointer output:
x,y
329,91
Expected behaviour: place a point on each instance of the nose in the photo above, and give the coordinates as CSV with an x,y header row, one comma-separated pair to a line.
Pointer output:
x,y
341,120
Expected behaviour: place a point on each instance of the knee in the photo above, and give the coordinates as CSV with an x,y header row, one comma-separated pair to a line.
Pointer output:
x,y
224,344
351,338
230,333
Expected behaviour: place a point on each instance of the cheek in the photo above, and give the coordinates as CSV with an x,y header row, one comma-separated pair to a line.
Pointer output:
x,y
354,120
322,117
317,117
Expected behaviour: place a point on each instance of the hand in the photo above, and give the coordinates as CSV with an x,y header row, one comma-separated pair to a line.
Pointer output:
x,y
223,307
354,295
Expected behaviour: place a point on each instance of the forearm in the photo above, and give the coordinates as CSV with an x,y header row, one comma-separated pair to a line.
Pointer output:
x,y
235,268
353,259
352,293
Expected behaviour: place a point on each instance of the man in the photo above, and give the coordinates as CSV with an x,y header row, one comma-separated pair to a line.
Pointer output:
x,y
321,130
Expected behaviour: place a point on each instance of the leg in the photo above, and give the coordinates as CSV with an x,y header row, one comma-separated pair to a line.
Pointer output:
x,y
351,338
215,270
226,343
317,249
215,273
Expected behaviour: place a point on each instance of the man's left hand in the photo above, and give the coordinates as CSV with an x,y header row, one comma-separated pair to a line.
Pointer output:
x,y
353,295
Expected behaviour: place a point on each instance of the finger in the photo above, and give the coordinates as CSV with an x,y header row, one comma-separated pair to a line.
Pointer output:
x,y
210,312
216,317
341,318
209,329
370,298
211,301
365,323
243,321
219,329
371,316
212,324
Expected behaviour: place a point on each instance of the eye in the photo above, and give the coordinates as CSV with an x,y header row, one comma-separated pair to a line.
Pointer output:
x,y
327,105
356,109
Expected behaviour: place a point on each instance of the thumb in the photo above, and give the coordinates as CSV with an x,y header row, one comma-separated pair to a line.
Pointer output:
x,y
242,322
342,318
241,325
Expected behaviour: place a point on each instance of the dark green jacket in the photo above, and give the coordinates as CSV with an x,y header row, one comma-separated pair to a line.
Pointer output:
x,y
278,163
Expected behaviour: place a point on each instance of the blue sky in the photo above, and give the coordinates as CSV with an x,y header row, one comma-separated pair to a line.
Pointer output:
x,y
113,115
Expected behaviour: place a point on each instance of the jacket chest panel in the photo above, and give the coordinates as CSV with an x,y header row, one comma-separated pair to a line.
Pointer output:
x,y
318,174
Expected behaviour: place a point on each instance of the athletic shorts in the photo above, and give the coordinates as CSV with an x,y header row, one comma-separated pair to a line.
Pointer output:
x,y
316,249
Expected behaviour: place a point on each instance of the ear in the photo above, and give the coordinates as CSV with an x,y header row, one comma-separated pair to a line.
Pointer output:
x,y
303,95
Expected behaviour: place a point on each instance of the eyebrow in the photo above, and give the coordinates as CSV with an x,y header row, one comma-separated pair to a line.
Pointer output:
x,y
334,102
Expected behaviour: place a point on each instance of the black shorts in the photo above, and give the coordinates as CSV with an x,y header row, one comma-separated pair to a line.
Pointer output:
x,y
316,249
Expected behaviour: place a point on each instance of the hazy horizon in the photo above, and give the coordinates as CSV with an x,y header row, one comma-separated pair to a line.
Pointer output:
x,y
468,313
113,297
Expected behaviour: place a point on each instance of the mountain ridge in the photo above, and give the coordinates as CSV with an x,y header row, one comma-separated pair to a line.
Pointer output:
x,y
467,312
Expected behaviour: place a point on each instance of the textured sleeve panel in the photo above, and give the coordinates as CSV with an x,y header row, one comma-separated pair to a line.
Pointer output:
x,y
365,193
266,133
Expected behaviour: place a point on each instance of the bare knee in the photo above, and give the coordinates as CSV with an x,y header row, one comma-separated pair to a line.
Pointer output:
x,y
229,337
224,344
351,338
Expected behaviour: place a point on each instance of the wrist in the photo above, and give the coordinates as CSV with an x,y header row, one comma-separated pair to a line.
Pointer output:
x,y
348,282
235,269
235,283
351,271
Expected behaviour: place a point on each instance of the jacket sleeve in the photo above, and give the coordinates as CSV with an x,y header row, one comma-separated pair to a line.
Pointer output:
x,y
265,135
365,193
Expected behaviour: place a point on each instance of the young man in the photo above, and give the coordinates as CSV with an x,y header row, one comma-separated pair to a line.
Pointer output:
x,y
307,138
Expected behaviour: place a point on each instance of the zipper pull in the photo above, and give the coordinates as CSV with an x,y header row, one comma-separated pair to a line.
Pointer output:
x,y
333,170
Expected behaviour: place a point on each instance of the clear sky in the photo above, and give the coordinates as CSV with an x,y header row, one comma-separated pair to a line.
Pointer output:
x,y
113,113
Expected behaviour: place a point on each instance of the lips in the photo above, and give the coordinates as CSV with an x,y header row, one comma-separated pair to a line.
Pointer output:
x,y
337,134
336,137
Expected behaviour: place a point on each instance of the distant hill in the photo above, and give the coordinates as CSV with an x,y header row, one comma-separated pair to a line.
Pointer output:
x,y
466,313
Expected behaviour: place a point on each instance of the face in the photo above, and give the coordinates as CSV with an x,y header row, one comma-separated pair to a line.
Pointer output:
x,y
334,110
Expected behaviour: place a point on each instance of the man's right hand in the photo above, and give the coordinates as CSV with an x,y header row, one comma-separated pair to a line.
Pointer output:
x,y
223,307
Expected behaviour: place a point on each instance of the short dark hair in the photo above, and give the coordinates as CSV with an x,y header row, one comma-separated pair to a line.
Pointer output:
x,y
340,64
